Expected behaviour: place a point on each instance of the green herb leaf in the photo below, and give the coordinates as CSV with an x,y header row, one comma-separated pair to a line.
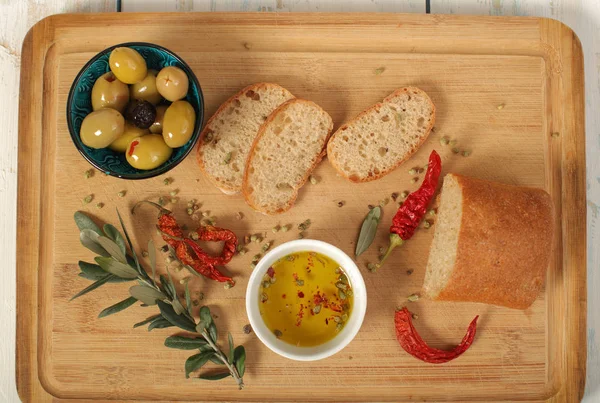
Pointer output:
x,y
205,319
171,285
185,343
188,299
118,307
152,257
150,319
119,269
239,358
114,234
215,377
212,332
177,307
91,270
215,359
165,286
159,323
89,239
91,287
135,258
112,248
84,222
177,320
146,294
196,361
368,230
230,337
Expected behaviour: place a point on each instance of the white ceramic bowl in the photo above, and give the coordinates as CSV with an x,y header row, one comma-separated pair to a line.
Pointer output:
x,y
343,338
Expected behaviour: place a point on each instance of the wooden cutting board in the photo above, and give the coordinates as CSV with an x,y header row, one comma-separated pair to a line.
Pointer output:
x,y
502,87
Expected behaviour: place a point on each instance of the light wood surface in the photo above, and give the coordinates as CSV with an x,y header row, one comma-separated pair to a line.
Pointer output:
x,y
468,65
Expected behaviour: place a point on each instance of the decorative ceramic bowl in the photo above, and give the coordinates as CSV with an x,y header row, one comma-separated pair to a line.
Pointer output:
x,y
79,105
343,338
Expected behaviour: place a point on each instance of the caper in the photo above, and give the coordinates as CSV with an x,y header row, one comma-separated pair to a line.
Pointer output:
x,y
100,128
145,90
178,123
127,65
172,83
108,92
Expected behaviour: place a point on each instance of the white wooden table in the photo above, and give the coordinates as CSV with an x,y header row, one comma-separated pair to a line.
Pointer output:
x,y
17,16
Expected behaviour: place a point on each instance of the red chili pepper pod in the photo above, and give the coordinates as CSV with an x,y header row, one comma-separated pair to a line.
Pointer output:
x,y
413,344
412,211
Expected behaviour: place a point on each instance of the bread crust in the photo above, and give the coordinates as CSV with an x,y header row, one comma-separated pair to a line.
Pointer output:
x,y
261,132
229,190
367,111
504,246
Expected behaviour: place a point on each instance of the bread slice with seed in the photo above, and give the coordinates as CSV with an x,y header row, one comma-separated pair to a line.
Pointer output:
x,y
492,243
288,147
228,135
382,137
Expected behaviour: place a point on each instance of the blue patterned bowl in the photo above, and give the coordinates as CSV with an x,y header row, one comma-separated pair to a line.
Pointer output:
x,y
79,105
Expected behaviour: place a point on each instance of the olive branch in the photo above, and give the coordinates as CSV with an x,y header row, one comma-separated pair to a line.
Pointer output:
x,y
115,264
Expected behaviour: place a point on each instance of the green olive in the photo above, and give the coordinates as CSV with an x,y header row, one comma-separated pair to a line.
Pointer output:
x,y
130,132
100,128
172,83
178,123
128,65
146,90
157,126
108,92
148,152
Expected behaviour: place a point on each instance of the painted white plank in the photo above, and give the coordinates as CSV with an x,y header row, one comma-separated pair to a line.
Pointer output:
x,y
16,17
391,6
583,16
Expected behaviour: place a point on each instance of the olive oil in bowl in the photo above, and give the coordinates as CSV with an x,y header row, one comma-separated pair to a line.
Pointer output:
x,y
305,298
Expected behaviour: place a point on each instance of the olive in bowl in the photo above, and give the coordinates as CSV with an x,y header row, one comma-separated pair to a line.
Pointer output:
x,y
112,159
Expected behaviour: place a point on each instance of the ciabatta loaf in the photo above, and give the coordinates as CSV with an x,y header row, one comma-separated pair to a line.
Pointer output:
x,y
228,135
492,243
379,139
288,147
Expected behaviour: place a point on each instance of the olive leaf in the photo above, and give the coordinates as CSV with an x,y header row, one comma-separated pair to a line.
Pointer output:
x,y
230,337
113,234
89,239
146,294
119,269
148,320
171,285
112,248
188,299
214,377
177,307
177,320
118,307
135,258
164,285
91,287
196,361
152,257
212,331
159,323
205,319
239,358
215,359
84,222
185,343
368,230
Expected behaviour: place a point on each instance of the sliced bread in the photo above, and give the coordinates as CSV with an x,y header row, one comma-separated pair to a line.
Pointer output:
x,y
288,147
379,139
492,243
228,135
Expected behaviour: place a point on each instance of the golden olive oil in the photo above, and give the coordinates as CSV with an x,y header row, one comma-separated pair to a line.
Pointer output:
x,y
305,298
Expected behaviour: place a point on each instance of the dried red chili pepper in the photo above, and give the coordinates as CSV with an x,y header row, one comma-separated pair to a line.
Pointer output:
x,y
412,211
202,263
414,345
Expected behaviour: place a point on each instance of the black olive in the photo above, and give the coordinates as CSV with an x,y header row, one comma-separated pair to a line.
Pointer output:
x,y
142,114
